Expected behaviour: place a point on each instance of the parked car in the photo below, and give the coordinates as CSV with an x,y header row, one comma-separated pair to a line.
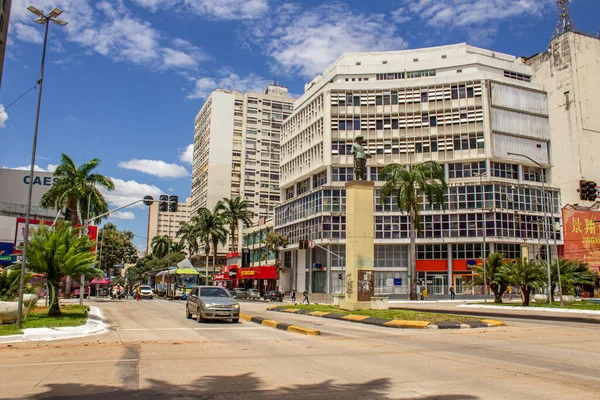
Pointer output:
x,y
253,294
211,302
239,293
273,295
146,292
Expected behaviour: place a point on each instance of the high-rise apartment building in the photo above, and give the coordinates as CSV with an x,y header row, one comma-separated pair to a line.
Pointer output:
x,y
166,223
569,70
4,17
237,150
464,107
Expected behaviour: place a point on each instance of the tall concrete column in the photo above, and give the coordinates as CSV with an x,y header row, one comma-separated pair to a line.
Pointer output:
x,y
301,271
449,258
360,247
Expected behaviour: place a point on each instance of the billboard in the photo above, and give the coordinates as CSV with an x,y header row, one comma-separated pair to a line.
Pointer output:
x,y
15,184
582,235
92,232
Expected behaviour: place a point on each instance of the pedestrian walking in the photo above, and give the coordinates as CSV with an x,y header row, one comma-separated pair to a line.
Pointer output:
x,y
305,298
294,296
138,293
424,294
509,289
452,293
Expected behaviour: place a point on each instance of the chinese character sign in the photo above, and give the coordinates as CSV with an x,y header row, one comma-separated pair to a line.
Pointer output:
x,y
582,236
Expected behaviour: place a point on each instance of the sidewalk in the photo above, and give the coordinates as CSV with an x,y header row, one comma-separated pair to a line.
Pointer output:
x,y
464,308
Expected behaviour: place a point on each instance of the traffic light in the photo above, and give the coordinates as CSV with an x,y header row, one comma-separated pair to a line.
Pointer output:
x,y
543,252
587,190
173,203
163,205
68,214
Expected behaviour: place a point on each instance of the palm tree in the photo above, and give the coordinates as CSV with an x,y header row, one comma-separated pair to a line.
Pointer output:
x,y
405,186
211,230
161,246
233,212
189,236
75,186
177,247
59,252
572,273
493,272
528,275
274,242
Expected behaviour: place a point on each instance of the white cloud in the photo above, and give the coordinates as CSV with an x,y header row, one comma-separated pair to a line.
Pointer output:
x,y
122,215
109,29
49,168
129,191
399,16
187,155
229,9
465,13
308,42
3,116
230,80
171,190
155,167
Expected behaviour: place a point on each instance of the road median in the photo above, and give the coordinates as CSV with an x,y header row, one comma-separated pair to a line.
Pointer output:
x,y
378,318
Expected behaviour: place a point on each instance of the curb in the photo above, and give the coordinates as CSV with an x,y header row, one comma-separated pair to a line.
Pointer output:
x,y
94,325
393,323
280,325
478,312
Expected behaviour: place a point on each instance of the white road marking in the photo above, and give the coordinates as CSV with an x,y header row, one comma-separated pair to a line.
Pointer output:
x,y
69,362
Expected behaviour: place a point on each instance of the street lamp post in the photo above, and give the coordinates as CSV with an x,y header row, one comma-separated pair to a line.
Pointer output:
x,y
544,226
42,19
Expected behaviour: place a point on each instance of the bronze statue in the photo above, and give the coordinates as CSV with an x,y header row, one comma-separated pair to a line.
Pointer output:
x,y
360,158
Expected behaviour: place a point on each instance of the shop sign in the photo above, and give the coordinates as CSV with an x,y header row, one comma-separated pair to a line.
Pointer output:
x,y
582,235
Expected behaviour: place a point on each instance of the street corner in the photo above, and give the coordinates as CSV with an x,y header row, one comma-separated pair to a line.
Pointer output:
x,y
281,325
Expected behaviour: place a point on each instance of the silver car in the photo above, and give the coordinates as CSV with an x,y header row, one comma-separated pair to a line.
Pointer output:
x,y
211,302
253,294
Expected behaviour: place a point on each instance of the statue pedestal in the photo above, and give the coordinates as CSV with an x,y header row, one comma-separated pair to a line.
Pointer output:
x,y
360,247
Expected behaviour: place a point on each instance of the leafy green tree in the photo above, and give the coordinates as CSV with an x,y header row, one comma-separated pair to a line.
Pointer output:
x,y
59,252
405,186
274,243
9,283
573,273
188,234
527,274
177,247
493,272
116,247
211,230
235,211
75,186
161,246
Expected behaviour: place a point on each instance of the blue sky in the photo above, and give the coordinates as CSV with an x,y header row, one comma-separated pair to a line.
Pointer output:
x,y
125,79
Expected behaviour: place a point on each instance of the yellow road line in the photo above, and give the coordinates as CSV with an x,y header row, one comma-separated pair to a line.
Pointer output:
x,y
398,323
355,318
303,331
493,322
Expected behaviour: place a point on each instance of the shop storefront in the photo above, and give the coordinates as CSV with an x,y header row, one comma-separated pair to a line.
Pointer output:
x,y
263,278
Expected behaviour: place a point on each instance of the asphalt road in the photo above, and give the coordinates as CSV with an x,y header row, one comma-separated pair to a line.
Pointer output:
x,y
152,351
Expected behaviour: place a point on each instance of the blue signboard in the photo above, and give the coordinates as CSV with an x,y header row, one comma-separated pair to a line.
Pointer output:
x,y
6,250
397,281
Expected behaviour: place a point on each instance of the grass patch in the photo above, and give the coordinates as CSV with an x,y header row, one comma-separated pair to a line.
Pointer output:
x,y
407,315
578,305
73,315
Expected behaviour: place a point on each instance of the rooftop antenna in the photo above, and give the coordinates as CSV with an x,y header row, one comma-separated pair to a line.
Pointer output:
x,y
565,22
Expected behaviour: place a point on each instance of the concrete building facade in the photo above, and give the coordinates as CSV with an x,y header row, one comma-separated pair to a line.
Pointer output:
x,y
166,223
4,19
570,73
461,106
237,149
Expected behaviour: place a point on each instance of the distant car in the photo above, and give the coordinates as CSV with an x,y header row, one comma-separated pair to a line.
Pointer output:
x,y
146,292
211,302
253,294
273,295
239,293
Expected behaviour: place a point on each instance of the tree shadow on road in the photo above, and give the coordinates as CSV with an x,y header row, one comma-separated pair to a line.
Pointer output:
x,y
245,386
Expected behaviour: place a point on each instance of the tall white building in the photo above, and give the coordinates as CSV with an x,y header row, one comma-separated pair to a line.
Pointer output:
x,y
462,106
167,223
569,70
237,148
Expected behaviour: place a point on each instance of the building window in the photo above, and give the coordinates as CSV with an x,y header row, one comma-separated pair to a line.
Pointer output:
x,y
342,174
517,76
461,251
444,56
415,59
510,250
502,170
391,226
466,170
384,62
358,63
533,174
431,252
320,179
303,186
